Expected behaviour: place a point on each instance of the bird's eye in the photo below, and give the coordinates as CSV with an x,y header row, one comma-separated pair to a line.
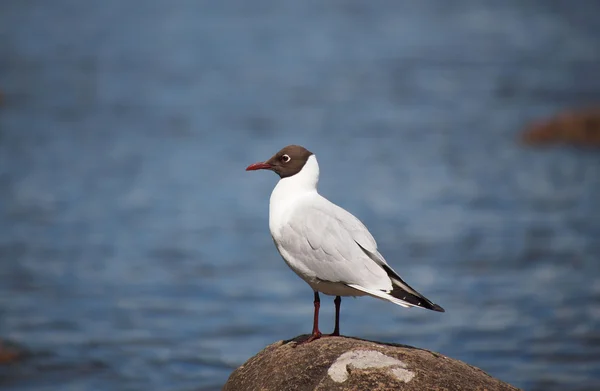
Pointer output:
x,y
285,158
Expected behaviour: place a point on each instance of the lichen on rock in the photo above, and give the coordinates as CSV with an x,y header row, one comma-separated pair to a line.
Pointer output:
x,y
363,359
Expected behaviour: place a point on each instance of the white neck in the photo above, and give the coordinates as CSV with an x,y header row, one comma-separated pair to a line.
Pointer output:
x,y
290,189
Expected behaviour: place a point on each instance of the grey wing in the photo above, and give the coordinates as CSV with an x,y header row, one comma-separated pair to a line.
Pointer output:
x,y
335,246
360,234
365,240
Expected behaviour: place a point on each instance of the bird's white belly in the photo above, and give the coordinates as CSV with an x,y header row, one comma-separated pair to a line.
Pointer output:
x,y
335,289
325,287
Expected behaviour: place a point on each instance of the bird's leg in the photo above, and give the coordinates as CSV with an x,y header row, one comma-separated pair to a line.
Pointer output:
x,y
316,334
336,331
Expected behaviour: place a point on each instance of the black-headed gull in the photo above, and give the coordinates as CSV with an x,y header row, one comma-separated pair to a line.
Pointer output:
x,y
324,244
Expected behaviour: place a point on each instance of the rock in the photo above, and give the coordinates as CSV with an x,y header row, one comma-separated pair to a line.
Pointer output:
x,y
571,127
10,352
341,363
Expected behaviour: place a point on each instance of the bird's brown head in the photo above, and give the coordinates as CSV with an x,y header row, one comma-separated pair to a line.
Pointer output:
x,y
287,162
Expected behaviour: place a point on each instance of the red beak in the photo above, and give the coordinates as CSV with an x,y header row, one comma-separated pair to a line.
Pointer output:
x,y
259,166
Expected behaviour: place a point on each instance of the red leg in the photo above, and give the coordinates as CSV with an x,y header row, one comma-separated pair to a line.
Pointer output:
x,y
316,334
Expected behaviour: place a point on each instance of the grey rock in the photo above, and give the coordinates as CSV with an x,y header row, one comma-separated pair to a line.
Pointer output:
x,y
341,363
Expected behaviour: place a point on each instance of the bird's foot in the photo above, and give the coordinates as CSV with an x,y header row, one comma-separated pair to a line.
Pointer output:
x,y
312,337
318,335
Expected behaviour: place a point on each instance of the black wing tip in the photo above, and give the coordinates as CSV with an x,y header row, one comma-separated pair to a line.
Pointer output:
x,y
437,308
418,301
400,293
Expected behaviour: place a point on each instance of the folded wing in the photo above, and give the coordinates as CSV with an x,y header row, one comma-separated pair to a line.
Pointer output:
x,y
335,246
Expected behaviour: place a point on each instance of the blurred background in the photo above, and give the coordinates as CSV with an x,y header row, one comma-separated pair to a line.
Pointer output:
x,y
134,248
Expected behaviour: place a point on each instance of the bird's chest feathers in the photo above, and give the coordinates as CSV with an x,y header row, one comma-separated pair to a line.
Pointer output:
x,y
280,211
285,200
290,194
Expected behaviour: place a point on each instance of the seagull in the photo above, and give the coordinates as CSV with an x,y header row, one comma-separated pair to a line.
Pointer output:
x,y
325,245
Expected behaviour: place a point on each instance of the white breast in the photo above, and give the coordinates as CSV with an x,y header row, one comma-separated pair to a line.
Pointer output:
x,y
289,192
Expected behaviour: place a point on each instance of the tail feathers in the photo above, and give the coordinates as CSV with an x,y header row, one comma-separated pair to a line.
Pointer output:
x,y
382,295
401,290
416,301
400,297
401,294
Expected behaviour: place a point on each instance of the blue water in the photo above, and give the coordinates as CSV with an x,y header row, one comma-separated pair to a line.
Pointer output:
x,y
134,248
